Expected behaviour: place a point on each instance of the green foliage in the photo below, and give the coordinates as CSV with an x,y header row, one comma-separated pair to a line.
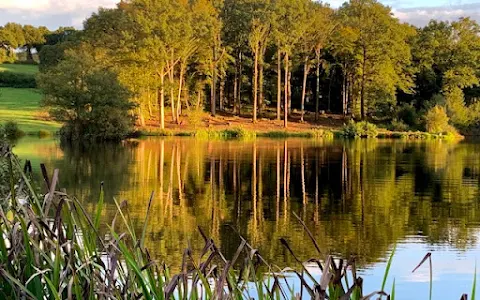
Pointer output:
x,y
51,55
196,117
398,125
377,49
359,130
437,120
93,105
10,130
407,114
44,133
17,80
235,133
456,109
321,133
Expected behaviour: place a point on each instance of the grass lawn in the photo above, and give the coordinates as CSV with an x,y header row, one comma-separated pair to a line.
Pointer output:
x,y
17,68
23,107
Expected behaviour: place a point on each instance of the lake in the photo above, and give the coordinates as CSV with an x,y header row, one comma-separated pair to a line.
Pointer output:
x,y
359,197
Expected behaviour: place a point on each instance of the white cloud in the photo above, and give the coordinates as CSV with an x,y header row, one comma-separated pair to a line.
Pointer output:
x,y
422,15
54,5
55,13
50,13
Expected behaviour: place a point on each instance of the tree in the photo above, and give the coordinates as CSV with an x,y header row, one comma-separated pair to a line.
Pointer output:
x,y
318,28
323,26
11,37
159,25
381,51
287,31
34,38
87,98
259,32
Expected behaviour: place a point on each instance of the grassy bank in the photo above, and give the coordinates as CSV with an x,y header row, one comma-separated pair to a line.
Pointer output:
x,y
314,133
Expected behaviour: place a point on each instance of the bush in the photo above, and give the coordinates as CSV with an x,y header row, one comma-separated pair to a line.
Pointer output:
x,y
397,125
44,133
437,120
17,80
361,129
196,117
456,108
10,130
236,133
407,114
321,133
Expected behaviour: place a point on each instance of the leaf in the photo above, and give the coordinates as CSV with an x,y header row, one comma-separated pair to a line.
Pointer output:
x,y
387,270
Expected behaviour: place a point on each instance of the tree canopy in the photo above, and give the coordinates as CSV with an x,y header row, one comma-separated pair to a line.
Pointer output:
x,y
272,57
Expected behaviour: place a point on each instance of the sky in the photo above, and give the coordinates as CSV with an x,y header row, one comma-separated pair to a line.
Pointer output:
x,y
55,13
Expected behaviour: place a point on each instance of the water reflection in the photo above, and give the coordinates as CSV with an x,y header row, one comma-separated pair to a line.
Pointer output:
x,y
357,197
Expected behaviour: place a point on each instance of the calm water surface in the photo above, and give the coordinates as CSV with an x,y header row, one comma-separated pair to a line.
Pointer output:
x,y
357,197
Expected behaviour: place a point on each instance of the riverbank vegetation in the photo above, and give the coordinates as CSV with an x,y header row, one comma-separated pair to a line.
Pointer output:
x,y
53,247
299,59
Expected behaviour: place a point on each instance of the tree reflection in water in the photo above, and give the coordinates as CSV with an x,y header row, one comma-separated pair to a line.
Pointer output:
x,y
357,197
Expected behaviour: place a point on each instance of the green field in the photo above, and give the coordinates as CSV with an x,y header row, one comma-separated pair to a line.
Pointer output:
x,y
17,68
23,107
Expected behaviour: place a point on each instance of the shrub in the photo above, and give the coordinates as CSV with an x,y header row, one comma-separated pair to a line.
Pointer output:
x,y
321,133
407,114
437,120
240,133
196,117
17,80
456,108
44,133
235,133
397,125
11,130
361,129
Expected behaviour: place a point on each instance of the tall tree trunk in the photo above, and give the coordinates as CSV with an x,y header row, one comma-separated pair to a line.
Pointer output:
x,y
317,94
362,96
29,54
179,96
172,104
213,96
285,108
222,93
304,86
279,85
172,97
350,93
214,84
261,97
235,89
261,63
239,98
255,85
289,92
161,101
344,91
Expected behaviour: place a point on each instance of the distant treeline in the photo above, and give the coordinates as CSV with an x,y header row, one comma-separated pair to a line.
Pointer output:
x,y
245,56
